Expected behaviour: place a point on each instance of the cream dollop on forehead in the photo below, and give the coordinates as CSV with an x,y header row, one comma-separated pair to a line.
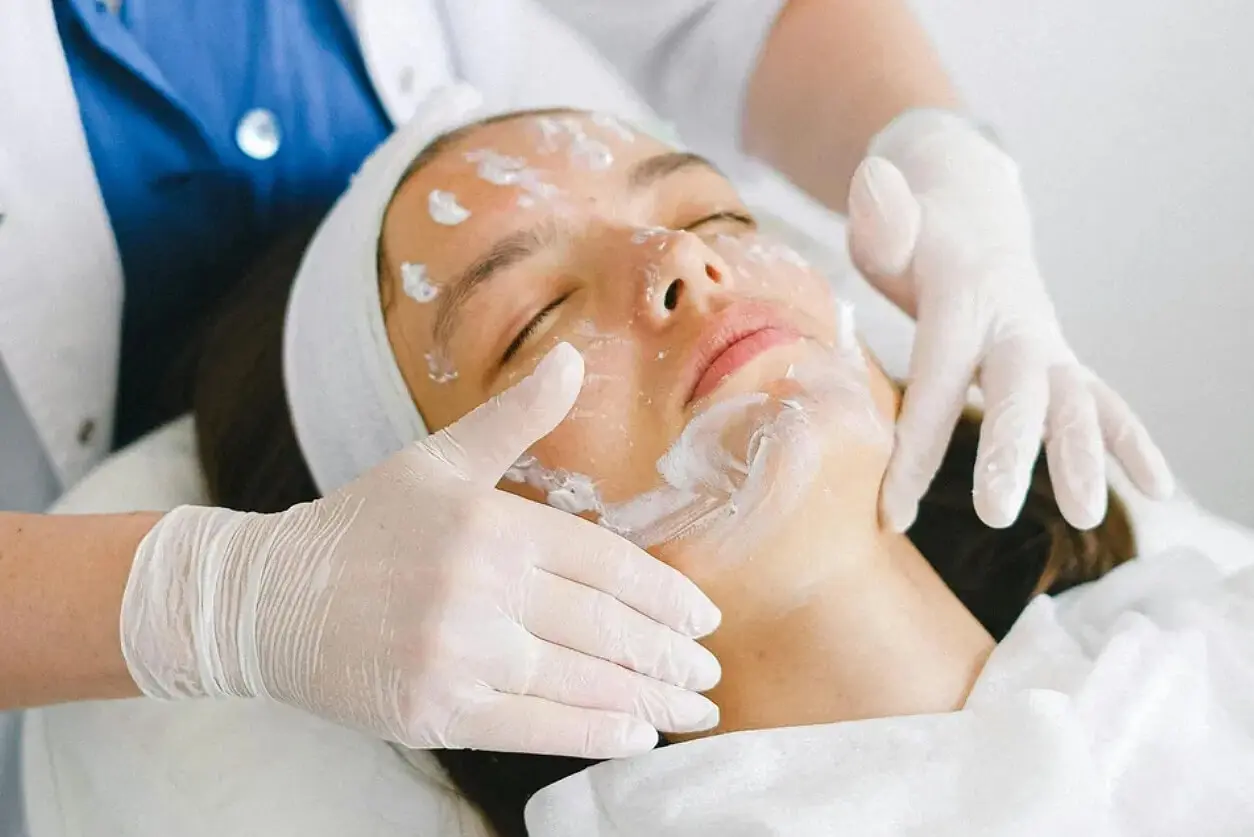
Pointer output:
x,y
525,160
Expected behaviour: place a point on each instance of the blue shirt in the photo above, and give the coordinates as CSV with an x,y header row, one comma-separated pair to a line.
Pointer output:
x,y
213,126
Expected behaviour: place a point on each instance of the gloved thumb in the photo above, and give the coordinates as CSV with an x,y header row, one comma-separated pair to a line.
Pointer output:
x,y
884,223
487,441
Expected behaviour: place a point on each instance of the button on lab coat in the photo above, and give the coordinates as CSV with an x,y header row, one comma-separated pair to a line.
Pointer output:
x,y
60,273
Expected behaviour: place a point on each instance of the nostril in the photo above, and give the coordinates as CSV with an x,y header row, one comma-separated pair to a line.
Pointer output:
x,y
713,272
671,300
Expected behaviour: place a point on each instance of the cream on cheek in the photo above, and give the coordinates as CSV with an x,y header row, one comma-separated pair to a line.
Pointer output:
x,y
612,434
765,267
739,467
742,464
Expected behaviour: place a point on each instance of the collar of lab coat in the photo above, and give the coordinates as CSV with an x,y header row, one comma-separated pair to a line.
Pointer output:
x,y
60,274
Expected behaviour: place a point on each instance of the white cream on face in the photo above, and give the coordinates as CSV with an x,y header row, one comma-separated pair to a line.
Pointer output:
x,y
503,170
595,337
742,465
563,490
581,148
657,237
550,134
439,368
775,251
445,209
762,250
613,125
416,283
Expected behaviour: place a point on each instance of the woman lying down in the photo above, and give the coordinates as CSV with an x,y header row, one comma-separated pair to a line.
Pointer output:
x,y
731,422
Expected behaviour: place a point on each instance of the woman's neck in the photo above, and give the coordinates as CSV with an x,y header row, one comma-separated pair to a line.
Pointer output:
x,y
831,622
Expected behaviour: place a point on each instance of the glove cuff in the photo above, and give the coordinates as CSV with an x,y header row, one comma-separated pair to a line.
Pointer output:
x,y
910,126
179,621
941,151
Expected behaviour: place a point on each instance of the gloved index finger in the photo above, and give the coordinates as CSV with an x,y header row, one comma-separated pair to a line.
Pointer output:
x,y
590,555
942,365
488,440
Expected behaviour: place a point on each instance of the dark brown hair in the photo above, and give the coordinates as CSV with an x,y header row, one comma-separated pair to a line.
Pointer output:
x,y
251,460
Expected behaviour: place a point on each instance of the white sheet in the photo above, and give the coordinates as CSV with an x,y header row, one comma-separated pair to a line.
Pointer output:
x,y
223,769
1125,707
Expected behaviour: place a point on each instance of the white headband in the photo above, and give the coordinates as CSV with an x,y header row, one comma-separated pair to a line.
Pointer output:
x,y
349,403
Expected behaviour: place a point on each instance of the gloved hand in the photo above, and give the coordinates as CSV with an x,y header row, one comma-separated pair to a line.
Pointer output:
x,y
423,605
939,223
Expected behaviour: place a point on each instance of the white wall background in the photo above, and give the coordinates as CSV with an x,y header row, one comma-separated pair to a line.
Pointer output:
x,y
1133,121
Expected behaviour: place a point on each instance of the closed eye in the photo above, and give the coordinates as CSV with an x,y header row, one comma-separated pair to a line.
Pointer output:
x,y
741,218
530,328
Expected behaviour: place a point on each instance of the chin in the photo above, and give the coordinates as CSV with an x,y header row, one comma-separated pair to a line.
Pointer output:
x,y
816,441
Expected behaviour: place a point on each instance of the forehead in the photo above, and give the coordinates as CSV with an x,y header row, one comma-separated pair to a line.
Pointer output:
x,y
492,179
534,161
559,141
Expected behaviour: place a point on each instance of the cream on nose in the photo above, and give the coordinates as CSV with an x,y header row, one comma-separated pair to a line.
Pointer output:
x,y
685,270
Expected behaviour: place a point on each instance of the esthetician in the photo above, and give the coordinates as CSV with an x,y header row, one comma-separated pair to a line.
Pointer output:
x,y
148,149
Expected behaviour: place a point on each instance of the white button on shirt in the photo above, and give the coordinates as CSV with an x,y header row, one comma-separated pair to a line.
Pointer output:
x,y
258,134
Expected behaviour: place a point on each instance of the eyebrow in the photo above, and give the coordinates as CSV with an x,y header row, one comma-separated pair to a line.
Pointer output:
x,y
505,253
652,169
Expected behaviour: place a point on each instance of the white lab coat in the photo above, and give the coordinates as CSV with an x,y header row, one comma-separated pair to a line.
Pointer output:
x,y
60,274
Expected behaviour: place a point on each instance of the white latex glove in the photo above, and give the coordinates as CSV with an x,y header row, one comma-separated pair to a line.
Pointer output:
x,y
422,604
939,223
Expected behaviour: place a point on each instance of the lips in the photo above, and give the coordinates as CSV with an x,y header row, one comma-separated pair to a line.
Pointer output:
x,y
735,336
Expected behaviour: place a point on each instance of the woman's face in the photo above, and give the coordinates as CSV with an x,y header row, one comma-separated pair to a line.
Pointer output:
x,y
541,229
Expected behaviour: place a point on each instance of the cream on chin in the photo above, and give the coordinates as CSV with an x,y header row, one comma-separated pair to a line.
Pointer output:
x,y
743,464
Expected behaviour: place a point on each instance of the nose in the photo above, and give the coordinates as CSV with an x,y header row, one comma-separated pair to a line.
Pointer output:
x,y
683,274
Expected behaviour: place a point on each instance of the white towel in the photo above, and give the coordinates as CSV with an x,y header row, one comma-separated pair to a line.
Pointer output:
x,y
349,402
1124,707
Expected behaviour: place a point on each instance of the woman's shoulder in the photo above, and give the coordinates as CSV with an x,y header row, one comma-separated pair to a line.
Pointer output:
x,y
156,473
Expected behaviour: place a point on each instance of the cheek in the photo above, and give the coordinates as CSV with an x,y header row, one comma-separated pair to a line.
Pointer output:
x,y
766,268
614,434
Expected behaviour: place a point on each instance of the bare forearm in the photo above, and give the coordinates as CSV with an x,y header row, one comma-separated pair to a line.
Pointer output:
x,y
832,75
61,585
